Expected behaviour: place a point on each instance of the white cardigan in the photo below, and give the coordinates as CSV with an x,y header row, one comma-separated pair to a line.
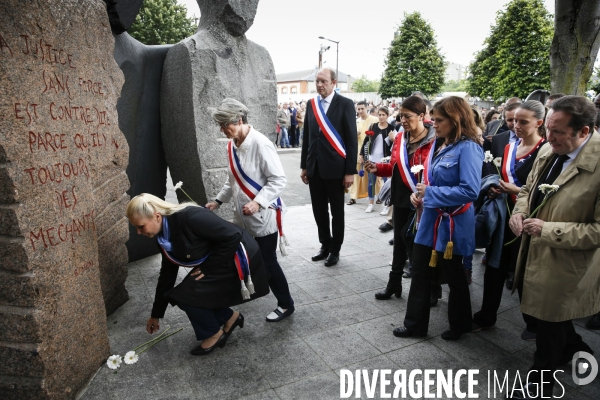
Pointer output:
x,y
259,160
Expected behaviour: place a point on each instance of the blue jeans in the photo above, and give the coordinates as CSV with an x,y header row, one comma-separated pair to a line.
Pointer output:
x,y
284,138
371,187
277,281
468,262
206,321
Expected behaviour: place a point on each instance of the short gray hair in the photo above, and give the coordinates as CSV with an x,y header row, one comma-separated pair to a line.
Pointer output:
x,y
229,112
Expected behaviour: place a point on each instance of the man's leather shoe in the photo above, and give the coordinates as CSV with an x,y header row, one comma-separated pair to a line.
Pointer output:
x,y
403,331
385,227
321,255
449,335
332,259
594,322
391,242
387,293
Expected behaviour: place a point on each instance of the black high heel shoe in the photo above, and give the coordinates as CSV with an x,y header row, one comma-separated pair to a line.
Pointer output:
x,y
387,293
238,322
201,351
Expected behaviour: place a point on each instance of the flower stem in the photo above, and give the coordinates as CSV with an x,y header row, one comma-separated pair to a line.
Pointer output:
x,y
188,196
152,340
533,214
161,339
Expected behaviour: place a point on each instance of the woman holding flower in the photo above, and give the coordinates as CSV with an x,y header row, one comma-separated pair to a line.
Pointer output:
x,y
514,168
447,229
376,146
227,267
410,150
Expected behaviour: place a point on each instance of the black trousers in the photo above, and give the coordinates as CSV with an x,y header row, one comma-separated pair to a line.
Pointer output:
x,y
293,135
206,321
459,299
277,281
556,343
401,249
493,286
326,193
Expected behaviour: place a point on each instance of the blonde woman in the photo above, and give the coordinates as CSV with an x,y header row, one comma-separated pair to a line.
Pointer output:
x,y
227,267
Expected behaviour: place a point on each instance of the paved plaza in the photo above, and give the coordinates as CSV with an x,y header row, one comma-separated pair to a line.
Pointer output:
x,y
338,324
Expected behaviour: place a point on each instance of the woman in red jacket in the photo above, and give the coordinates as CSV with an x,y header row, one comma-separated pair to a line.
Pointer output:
x,y
410,148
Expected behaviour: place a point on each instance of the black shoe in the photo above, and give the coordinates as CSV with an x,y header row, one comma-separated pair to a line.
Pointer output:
x,y
478,326
408,274
510,280
594,322
405,332
200,351
391,242
529,336
238,322
387,293
385,227
332,259
278,314
449,335
321,255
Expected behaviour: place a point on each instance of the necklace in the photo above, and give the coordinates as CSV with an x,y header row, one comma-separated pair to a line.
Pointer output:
x,y
416,139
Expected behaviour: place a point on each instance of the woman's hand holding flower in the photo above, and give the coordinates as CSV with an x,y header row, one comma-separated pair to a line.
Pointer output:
x,y
416,201
421,187
509,188
370,167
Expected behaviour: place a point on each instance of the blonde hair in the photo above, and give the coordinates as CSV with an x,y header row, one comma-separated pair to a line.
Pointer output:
x,y
145,205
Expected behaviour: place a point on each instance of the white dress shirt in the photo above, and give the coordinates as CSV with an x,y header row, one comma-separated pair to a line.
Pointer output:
x,y
326,102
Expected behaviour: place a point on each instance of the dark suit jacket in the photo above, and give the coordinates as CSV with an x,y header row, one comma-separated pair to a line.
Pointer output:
x,y
493,128
315,146
195,232
496,147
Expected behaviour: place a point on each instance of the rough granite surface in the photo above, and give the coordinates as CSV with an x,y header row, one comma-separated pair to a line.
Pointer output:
x,y
62,173
199,72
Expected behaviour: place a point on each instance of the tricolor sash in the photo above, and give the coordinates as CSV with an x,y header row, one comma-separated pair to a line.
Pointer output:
x,y
327,127
241,259
449,246
409,179
252,188
508,166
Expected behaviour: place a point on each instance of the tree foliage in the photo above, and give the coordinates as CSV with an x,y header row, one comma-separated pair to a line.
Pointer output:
x,y
161,22
454,86
594,84
414,61
515,58
363,84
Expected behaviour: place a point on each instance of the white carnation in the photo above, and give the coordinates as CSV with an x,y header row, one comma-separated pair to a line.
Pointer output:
x,y
179,185
114,362
130,357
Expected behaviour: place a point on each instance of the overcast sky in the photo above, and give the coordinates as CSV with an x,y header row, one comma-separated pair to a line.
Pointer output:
x,y
290,30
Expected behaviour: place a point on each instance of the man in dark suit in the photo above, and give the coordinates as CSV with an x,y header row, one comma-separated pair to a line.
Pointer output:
x,y
325,169
496,141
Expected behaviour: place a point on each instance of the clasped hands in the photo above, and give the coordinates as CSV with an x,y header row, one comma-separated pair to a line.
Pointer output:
x,y
532,226
416,198
250,208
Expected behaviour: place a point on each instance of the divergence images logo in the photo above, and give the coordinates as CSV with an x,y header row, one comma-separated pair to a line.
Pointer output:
x,y
584,363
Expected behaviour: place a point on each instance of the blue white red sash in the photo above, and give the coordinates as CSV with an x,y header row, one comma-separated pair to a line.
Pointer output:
x,y
327,127
508,166
252,188
409,179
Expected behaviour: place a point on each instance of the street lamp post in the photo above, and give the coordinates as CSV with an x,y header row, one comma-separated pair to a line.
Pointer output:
x,y
337,54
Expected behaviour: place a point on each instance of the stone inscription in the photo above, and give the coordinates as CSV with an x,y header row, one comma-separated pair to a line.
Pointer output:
x,y
65,133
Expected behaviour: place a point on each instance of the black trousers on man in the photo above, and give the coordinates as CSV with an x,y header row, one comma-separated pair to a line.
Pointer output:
x,y
293,135
556,343
325,194
459,299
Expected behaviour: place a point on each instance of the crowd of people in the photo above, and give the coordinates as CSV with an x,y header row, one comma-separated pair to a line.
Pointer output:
x,y
521,183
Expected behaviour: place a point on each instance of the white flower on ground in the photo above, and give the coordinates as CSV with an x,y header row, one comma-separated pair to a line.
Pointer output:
x,y
415,169
114,362
130,357
546,189
179,185
488,157
498,162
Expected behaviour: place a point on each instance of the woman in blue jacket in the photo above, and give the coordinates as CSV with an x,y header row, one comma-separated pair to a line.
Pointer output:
x,y
446,231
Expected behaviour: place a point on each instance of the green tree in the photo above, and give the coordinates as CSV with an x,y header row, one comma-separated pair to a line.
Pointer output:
x,y
161,22
363,84
594,82
515,58
414,61
454,86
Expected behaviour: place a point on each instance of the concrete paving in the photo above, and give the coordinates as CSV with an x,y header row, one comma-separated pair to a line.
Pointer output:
x,y
337,325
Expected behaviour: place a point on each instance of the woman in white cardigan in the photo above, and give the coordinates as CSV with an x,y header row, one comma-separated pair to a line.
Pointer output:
x,y
254,183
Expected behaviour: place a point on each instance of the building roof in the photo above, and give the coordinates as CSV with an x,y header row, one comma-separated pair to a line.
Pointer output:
x,y
306,75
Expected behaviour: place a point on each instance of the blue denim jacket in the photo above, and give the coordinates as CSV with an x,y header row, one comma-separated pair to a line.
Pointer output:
x,y
456,179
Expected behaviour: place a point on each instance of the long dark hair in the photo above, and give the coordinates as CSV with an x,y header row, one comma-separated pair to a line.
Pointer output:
x,y
459,112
